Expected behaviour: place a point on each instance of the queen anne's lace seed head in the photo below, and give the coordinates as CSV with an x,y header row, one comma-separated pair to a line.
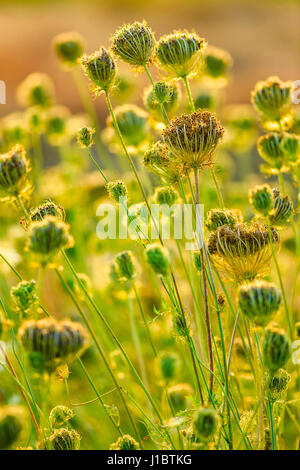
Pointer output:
x,y
36,90
11,419
261,199
277,384
14,170
60,415
125,267
116,190
64,439
179,53
165,93
24,295
100,68
85,136
168,365
193,138
125,442
205,423
270,149
216,63
217,217
281,212
259,301
133,124
134,43
69,48
165,195
159,160
179,396
276,349
158,258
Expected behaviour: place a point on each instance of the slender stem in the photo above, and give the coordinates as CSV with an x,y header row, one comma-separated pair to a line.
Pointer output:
x,y
162,108
189,93
144,318
96,164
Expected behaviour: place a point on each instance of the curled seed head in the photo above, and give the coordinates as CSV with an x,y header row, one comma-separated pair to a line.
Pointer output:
x,y
10,425
39,213
49,342
68,47
166,195
24,295
14,169
277,384
60,415
281,212
158,258
270,149
205,423
259,301
276,349
179,53
125,266
134,43
179,396
218,217
125,442
193,138
161,162
168,365
116,190
261,199
36,90
64,439
85,136
48,237
165,93
100,68
290,145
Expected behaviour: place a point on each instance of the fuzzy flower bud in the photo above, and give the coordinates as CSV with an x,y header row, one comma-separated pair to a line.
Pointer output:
x,y
276,349
24,295
193,138
14,169
205,423
85,136
158,258
168,365
36,90
259,301
179,53
100,68
10,425
68,48
218,217
134,43
165,93
272,99
48,237
64,439
125,266
277,384
179,396
281,212
166,195
60,415
49,342
125,442
261,199
116,189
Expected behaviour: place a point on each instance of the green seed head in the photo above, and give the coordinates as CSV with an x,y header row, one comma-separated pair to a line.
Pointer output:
x,y
60,415
166,195
272,99
179,396
197,261
48,237
64,439
179,53
290,145
36,90
24,295
261,199
281,212
125,266
163,92
68,48
125,442
116,190
133,124
205,101
193,138
39,213
276,349
56,120
205,423
14,169
161,162
270,149
10,425
259,301
218,217
100,68
168,365
217,63
85,136
134,43
277,384
50,342
158,258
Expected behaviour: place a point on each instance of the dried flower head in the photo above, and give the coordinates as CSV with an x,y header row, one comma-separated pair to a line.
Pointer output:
x,y
205,423
193,138
261,199
49,342
276,349
161,162
179,53
48,237
14,171
272,99
24,295
259,301
125,266
179,396
10,425
217,217
132,122
216,63
68,48
60,415
168,365
85,136
64,439
134,43
243,252
125,442
100,68
158,258
165,93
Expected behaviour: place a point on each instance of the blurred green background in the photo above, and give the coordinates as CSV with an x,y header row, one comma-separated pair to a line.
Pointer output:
x,y
262,36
